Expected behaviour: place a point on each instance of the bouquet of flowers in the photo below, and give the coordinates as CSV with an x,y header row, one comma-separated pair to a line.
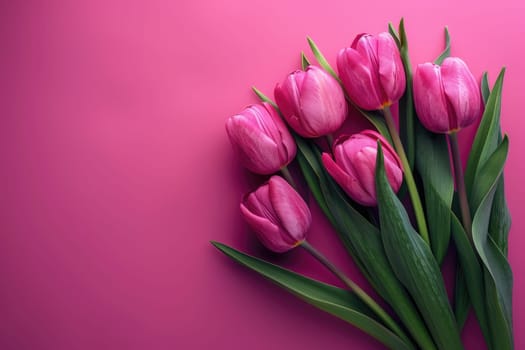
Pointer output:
x,y
397,196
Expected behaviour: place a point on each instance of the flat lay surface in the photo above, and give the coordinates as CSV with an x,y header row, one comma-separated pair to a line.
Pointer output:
x,y
117,170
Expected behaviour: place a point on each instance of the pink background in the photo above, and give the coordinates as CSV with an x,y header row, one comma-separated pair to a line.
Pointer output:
x,y
116,170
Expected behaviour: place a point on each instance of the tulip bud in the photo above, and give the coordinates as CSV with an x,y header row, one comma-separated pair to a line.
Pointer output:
x,y
261,139
372,71
312,102
355,164
277,214
447,97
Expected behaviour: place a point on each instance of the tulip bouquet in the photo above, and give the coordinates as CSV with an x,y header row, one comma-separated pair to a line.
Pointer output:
x,y
397,196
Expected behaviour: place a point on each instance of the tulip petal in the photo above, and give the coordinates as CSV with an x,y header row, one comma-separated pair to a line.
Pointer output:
x,y
259,203
348,183
292,211
267,232
393,170
287,97
278,131
323,103
429,97
391,71
358,79
364,163
257,151
462,91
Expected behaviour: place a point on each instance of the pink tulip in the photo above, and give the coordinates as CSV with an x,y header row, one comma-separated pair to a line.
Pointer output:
x,y
355,164
447,97
312,102
261,139
277,214
372,71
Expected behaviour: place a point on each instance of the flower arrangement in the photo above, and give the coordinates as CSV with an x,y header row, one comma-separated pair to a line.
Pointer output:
x,y
397,197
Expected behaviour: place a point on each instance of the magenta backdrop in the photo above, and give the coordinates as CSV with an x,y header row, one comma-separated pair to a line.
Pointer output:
x,y
116,171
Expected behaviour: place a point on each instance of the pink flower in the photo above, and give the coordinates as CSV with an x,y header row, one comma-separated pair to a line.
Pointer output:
x,y
261,139
447,97
355,164
312,102
372,71
277,214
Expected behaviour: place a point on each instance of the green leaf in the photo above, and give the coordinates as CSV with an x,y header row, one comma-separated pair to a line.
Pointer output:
x,y
484,179
392,30
461,298
498,275
485,90
500,220
473,274
304,61
487,136
446,51
378,121
321,59
407,115
501,331
361,239
488,174
414,264
312,173
264,98
338,302
433,165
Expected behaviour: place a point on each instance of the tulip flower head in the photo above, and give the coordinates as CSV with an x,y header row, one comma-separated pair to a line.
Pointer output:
x,y
372,71
277,214
312,102
447,97
261,139
355,162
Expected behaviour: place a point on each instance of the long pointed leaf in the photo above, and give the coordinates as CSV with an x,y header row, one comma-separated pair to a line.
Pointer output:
x,y
498,278
407,115
486,139
473,274
488,174
414,264
336,301
263,97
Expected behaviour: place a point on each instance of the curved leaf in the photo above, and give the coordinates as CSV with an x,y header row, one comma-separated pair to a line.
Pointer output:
x,y
446,51
263,97
414,264
338,302
498,276
488,174
486,139
473,273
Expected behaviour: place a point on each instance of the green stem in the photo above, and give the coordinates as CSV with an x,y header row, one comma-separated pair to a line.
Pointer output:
x,y
288,176
361,294
460,184
409,177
